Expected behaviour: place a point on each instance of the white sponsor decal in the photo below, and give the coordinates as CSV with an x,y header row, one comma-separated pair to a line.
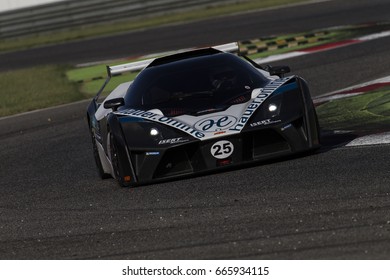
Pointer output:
x,y
264,122
211,126
255,104
222,149
164,120
152,153
216,123
173,141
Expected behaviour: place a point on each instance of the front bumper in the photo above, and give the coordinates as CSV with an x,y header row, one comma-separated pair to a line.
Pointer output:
x,y
196,156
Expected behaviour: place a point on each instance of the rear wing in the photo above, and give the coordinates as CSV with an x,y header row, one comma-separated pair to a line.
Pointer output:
x,y
140,65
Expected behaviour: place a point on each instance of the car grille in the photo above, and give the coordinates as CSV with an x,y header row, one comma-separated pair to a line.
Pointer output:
x,y
194,157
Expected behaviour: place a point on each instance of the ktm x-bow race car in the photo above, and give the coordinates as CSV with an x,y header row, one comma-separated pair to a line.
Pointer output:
x,y
197,111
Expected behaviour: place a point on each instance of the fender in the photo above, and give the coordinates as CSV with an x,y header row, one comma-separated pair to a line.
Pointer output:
x,y
125,164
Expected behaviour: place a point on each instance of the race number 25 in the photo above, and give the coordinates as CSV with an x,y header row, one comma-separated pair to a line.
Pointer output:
x,y
222,149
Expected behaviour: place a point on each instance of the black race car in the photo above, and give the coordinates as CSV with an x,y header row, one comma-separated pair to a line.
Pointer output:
x,y
197,111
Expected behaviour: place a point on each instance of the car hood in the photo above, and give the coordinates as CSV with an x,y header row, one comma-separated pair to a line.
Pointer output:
x,y
207,126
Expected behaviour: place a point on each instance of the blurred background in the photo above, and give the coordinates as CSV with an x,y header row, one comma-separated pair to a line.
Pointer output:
x,y
7,5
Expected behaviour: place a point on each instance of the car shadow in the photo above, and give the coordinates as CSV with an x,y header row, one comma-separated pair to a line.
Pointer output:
x,y
332,139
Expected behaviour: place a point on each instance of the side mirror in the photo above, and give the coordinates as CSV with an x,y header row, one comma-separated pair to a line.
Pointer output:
x,y
278,70
114,104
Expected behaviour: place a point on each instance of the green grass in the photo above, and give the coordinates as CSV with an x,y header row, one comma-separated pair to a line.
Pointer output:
x,y
92,87
34,88
136,24
369,111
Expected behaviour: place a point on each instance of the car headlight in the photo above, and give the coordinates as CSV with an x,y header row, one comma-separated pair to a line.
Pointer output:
x,y
272,107
154,132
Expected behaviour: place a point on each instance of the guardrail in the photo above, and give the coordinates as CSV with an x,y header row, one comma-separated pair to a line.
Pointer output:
x,y
76,13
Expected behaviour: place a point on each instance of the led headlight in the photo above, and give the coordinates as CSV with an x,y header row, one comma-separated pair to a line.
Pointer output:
x,y
272,107
154,132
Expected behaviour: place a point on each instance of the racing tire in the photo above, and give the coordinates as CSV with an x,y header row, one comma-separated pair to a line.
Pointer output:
x,y
116,167
96,156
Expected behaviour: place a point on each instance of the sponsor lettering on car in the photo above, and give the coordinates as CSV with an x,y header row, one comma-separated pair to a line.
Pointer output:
x,y
255,104
162,119
207,128
173,141
215,123
265,122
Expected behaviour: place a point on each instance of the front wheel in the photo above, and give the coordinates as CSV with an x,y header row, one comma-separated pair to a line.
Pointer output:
x,y
96,156
116,165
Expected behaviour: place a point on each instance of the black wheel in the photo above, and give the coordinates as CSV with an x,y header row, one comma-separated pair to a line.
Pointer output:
x,y
99,165
115,161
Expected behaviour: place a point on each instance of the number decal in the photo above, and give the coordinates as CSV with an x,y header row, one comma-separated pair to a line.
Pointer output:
x,y
222,149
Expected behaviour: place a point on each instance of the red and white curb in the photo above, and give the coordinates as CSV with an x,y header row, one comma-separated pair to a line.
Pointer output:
x,y
323,47
353,91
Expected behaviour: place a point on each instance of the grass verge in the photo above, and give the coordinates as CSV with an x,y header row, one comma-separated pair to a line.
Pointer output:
x,y
369,112
33,88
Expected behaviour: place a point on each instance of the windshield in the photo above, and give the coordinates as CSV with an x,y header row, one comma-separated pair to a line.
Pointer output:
x,y
195,85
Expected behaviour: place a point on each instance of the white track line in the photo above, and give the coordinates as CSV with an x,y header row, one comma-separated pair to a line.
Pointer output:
x,y
373,139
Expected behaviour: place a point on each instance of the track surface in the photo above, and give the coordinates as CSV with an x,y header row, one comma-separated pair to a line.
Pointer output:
x,y
332,205
208,32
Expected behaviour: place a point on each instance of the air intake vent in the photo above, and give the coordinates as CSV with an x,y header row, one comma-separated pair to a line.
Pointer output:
x,y
268,142
174,162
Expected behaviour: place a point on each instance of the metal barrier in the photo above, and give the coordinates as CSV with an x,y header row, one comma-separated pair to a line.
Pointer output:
x,y
76,13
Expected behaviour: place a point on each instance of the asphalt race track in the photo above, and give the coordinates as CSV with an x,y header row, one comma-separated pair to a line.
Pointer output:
x,y
334,204
206,33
